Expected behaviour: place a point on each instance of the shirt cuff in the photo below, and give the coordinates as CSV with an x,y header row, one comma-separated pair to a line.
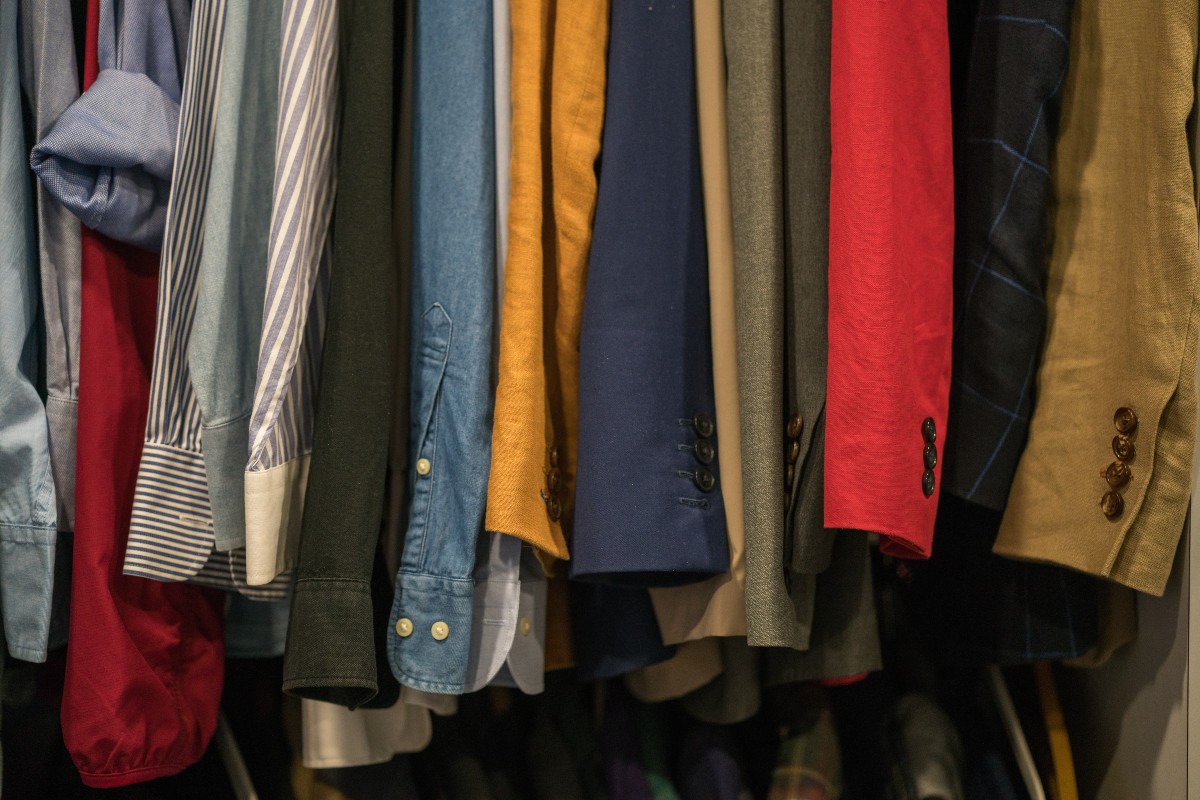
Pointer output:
x,y
429,640
27,589
331,644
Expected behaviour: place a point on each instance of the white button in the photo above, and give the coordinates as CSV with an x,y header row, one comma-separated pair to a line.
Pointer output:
x,y
440,630
404,626
423,466
526,626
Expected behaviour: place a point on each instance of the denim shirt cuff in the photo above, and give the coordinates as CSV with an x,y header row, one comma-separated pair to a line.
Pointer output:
x,y
27,589
108,157
430,635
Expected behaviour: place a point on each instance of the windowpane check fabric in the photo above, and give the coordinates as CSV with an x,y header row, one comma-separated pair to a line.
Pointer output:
x,y
171,534
1008,123
298,262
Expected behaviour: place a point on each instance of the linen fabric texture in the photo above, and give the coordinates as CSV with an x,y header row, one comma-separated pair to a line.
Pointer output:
x,y
1128,268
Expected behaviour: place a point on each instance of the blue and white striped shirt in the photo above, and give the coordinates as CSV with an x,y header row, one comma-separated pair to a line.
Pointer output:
x,y
171,534
299,256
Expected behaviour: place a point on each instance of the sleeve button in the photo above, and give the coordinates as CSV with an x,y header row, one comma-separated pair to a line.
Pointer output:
x,y
404,627
440,631
423,466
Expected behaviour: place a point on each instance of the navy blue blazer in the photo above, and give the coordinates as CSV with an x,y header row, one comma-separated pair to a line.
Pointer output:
x,y
648,508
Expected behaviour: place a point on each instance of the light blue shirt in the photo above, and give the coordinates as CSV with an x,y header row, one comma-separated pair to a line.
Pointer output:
x,y
28,529
108,158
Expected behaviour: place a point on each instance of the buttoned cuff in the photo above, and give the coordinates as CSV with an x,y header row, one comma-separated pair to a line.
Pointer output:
x,y
27,587
430,635
330,643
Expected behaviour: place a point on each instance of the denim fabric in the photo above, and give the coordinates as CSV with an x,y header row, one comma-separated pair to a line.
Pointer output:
x,y
224,353
453,295
108,158
27,510
256,628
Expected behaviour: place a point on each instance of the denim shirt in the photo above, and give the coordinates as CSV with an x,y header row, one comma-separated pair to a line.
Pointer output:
x,y
108,158
28,527
453,295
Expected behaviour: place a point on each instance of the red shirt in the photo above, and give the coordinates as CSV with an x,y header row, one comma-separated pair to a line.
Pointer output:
x,y
145,660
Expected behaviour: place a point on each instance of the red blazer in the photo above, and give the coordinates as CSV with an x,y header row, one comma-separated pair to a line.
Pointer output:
x,y
891,245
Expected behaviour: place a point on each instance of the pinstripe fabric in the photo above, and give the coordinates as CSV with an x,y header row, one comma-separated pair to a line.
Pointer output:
x,y
299,255
171,533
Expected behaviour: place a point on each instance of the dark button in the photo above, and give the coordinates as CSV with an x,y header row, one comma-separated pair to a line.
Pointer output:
x,y
704,480
1117,474
1125,420
553,453
794,452
928,481
703,424
554,507
794,426
1112,505
929,430
552,479
1123,447
930,456
704,452
791,476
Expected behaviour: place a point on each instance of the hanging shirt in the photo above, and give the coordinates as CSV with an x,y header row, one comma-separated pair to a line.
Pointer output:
x,y
50,78
145,659
453,300
171,536
297,288
28,532
508,617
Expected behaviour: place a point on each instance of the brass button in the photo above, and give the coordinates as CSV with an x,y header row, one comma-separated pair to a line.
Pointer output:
x,y
930,456
791,476
554,508
553,455
794,426
439,631
1123,447
1112,505
552,479
423,466
1117,474
704,451
704,480
526,626
793,452
1125,420
404,627
928,482
929,430
703,424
